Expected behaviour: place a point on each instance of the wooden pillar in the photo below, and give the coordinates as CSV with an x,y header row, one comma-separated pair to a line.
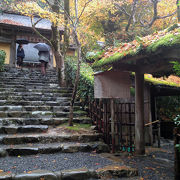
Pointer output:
x,y
12,60
112,125
139,114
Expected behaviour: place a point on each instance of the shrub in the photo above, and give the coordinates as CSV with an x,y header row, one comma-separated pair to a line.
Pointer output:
x,y
2,59
86,79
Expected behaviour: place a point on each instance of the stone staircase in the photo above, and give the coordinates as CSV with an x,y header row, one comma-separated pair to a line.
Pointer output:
x,y
32,109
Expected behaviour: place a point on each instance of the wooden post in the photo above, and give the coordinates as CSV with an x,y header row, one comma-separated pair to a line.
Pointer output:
x,y
176,155
12,60
139,114
112,126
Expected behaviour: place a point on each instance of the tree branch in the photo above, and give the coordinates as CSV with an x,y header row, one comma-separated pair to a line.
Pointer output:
x,y
132,16
84,8
38,33
122,9
155,15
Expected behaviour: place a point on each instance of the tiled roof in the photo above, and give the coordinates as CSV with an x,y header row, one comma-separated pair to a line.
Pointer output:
x,y
19,20
8,21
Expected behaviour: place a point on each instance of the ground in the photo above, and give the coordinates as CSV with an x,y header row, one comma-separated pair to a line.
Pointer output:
x,y
157,164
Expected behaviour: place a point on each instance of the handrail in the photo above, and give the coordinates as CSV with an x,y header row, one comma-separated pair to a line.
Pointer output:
x,y
150,123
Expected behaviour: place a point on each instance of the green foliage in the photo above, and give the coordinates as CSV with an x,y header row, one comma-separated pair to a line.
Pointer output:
x,y
168,107
176,67
171,28
76,126
177,120
93,56
177,123
86,79
2,59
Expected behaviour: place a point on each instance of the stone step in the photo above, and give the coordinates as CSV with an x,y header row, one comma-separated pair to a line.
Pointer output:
x,y
35,98
59,102
72,147
52,136
22,90
32,94
43,121
39,114
30,86
23,129
27,71
107,172
37,108
29,80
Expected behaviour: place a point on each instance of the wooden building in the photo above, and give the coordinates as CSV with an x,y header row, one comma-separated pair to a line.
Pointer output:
x,y
151,55
15,26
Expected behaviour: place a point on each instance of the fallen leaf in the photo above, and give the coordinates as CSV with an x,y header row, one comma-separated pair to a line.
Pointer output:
x,y
19,156
97,164
1,171
92,155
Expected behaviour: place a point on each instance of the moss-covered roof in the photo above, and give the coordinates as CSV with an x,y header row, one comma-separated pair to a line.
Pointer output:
x,y
167,81
141,47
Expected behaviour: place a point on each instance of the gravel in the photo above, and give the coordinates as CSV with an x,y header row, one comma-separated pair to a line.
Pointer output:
x,y
53,162
154,166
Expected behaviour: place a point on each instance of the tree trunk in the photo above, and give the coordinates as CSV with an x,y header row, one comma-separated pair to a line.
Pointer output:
x,y
56,47
66,29
76,80
60,68
178,10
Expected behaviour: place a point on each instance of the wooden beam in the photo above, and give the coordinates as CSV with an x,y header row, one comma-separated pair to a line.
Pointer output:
x,y
139,114
159,66
125,67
